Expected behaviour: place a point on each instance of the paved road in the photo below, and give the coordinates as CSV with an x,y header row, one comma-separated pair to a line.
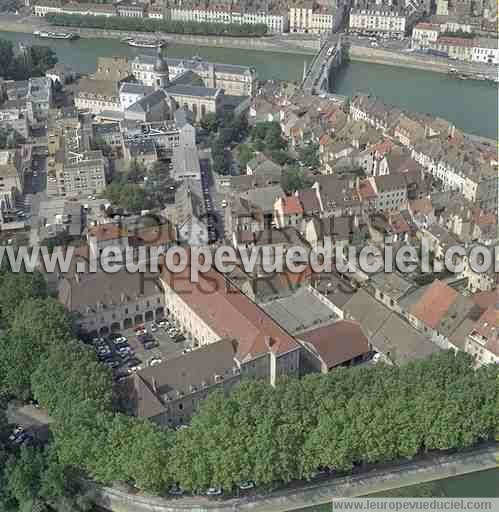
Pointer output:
x,y
35,192
402,47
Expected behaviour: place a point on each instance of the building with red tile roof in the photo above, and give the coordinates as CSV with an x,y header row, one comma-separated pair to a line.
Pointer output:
x,y
433,305
341,343
214,308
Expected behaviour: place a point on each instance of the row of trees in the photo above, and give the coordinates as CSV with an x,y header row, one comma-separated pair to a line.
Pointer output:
x,y
224,133
150,25
350,417
31,478
33,61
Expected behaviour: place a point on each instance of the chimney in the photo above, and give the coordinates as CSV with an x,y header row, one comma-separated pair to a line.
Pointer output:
x,y
269,342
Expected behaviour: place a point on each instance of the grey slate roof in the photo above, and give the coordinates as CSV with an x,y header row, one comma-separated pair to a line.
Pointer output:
x,y
177,376
133,88
264,197
192,90
148,101
300,311
388,333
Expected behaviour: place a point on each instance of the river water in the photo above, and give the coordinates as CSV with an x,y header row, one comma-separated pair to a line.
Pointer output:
x,y
484,484
470,104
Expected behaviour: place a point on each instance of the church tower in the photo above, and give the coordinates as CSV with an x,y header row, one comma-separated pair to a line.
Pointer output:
x,y
161,71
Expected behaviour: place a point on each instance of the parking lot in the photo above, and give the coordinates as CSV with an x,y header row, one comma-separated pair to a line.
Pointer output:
x,y
129,350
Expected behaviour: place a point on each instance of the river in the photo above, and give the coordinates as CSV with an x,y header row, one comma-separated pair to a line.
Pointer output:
x,y
484,484
470,104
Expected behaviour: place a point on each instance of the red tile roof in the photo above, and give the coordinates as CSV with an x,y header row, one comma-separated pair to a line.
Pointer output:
x,y
366,190
434,303
291,205
338,343
382,148
229,313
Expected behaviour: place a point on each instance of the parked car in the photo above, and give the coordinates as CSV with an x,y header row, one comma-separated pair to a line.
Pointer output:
x,y
179,337
125,352
164,323
18,430
176,490
155,361
154,327
246,485
23,437
214,491
140,329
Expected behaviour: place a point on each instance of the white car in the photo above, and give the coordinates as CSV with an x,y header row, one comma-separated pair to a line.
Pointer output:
x,y
245,485
134,369
155,361
214,491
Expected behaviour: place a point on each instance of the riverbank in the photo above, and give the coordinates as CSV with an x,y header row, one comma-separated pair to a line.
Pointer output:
x,y
411,61
374,481
306,45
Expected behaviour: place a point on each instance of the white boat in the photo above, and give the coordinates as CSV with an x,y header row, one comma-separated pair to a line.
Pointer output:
x,y
56,35
144,43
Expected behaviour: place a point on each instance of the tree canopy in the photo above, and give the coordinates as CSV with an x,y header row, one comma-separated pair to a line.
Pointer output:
x,y
34,62
148,25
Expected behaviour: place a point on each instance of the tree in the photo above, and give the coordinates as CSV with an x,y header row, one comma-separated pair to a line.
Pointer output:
x,y
245,154
42,59
129,196
72,366
37,324
24,474
16,288
37,61
6,58
148,25
210,122
293,179
309,155
280,157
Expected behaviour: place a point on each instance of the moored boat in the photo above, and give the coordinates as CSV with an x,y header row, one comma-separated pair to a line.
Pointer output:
x,y
145,43
56,35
